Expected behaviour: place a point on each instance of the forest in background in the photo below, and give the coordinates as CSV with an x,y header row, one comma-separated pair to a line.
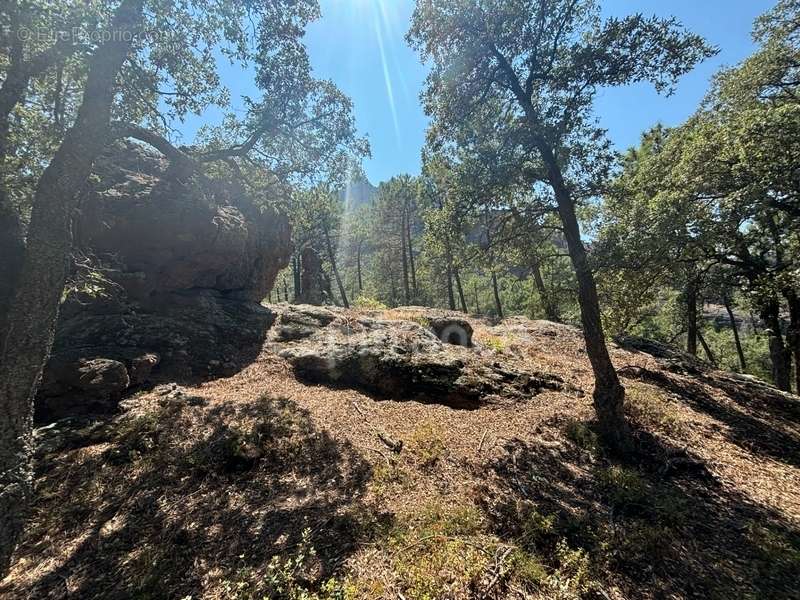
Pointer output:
x,y
694,235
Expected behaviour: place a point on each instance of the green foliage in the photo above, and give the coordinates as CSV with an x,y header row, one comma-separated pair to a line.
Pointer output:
x,y
623,487
285,578
778,551
495,343
581,435
367,303
428,445
434,551
649,406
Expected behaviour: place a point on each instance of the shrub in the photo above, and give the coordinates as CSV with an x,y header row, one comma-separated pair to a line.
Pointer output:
x,y
649,406
427,444
581,435
623,487
367,303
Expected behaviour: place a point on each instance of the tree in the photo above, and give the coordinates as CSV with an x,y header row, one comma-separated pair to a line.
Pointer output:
x,y
301,130
543,61
726,182
316,214
33,313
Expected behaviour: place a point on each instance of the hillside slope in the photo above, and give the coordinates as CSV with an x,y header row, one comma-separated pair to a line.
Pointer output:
x,y
268,485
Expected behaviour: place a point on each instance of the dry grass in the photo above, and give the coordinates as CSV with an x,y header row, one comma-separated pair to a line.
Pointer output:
x,y
264,486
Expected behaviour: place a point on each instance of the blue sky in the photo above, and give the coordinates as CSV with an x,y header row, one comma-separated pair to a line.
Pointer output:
x,y
360,45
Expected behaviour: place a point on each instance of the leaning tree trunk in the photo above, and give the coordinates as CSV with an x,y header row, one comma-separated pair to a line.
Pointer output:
x,y
12,245
451,299
406,283
296,277
411,262
498,304
335,269
778,353
358,267
34,310
707,349
460,290
609,395
550,308
735,328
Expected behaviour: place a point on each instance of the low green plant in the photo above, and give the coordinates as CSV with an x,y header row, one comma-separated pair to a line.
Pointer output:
x,y
623,487
581,435
648,405
527,567
368,303
777,552
421,321
427,445
387,476
572,578
495,343
286,578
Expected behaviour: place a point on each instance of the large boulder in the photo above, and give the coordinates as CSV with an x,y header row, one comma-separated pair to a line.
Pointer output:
x,y
172,234
170,273
400,359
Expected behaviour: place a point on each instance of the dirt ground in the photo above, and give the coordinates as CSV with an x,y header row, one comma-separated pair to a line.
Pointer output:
x,y
262,486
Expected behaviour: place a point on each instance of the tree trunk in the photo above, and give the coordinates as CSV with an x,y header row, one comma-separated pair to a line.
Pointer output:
x,y
707,349
406,285
334,268
296,275
12,244
477,300
460,289
793,337
691,316
550,309
358,267
737,340
451,299
778,353
411,261
498,305
34,310
58,101
609,395
12,251
393,283
13,89
285,289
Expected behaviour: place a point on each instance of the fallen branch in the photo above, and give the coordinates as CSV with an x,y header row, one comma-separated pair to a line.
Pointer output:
x,y
395,446
483,439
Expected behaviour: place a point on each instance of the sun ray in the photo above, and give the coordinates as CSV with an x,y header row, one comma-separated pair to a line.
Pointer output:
x,y
386,74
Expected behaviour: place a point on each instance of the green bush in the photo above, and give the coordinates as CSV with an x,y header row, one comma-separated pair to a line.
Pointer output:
x,y
367,303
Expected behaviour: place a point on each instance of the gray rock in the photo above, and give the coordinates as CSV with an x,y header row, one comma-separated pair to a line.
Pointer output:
x,y
82,386
179,266
404,360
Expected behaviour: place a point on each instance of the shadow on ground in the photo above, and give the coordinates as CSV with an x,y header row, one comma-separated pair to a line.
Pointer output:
x,y
659,522
759,419
188,498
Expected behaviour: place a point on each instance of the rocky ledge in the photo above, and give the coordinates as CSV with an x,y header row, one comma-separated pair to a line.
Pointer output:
x,y
169,273
429,357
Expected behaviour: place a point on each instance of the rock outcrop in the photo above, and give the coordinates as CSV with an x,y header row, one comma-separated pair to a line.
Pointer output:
x,y
399,358
170,274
